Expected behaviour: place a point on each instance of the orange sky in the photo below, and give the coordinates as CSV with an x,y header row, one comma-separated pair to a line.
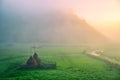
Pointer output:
x,y
104,15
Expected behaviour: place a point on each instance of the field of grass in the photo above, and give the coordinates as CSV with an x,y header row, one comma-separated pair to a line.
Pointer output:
x,y
72,64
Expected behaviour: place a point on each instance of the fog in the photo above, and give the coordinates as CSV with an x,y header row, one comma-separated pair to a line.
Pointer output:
x,y
47,21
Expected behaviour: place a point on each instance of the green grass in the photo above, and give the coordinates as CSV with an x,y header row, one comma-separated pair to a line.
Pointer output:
x,y
71,64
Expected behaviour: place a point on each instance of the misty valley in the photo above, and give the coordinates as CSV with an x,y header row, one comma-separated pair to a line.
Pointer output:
x,y
59,40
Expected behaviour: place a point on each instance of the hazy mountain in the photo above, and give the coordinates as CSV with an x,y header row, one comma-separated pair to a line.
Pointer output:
x,y
50,27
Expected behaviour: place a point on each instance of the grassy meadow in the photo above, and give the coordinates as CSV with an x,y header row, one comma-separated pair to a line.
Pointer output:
x,y
72,63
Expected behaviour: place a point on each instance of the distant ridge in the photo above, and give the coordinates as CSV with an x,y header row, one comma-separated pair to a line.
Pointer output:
x,y
52,27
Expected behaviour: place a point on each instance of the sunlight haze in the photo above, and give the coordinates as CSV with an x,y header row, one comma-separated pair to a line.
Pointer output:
x,y
104,15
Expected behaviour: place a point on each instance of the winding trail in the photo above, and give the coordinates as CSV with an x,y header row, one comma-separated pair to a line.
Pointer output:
x,y
95,54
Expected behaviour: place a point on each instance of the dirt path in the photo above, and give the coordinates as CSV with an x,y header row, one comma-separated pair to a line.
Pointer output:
x,y
104,58
95,54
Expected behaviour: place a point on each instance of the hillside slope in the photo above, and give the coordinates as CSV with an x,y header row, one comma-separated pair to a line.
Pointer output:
x,y
51,27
